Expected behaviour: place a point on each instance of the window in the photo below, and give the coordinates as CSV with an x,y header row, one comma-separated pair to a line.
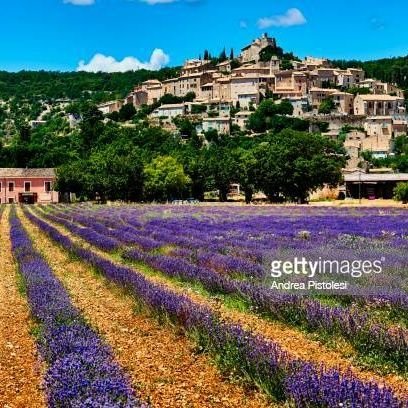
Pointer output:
x,y
11,186
47,186
1,185
11,200
27,186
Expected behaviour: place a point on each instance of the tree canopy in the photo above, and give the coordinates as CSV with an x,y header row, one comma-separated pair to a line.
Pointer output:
x,y
292,164
394,70
165,179
98,87
271,116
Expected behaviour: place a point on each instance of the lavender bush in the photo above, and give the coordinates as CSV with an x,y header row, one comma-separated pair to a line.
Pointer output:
x,y
81,370
236,350
380,344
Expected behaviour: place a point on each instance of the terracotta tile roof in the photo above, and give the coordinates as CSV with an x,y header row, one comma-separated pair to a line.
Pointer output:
x,y
26,173
379,98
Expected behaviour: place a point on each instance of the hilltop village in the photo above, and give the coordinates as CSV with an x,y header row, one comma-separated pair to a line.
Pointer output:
x,y
262,125
366,112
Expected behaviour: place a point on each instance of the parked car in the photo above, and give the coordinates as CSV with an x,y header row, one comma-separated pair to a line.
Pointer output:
x,y
192,201
189,201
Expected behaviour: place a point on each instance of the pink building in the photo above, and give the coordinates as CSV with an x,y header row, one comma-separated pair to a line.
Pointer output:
x,y
28,186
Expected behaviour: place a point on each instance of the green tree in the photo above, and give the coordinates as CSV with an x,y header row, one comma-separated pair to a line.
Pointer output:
x,y
401,193
198,109
245,171
327,106
387,69
223,56
185,126
167,99
189,97
211,135
192,159
285,107
113,116
114,171
165,179
126,112
79,86
401,145
219,169
72,178
292,164
270,51
358,90
91,127
400,163
24,131
266,116
286,65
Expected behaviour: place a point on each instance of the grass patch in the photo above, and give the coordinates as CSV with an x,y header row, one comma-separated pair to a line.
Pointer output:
x,y
21,284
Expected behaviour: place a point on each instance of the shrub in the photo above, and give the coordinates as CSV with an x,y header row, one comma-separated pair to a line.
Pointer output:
x,y
327,106
401,192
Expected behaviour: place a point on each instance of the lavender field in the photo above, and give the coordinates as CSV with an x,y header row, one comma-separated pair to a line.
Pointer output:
x,y
210,283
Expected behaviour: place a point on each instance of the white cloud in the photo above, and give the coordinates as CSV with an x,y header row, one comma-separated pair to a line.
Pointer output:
x,y
291,18
80,2
103,63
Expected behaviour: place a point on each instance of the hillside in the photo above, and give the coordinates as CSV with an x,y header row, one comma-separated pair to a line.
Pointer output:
x,y
385,69
36,85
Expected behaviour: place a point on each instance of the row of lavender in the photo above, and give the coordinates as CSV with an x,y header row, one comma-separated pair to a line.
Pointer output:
x,y
231,252
243,247
228,256
237,350
81,371
275,221
389,345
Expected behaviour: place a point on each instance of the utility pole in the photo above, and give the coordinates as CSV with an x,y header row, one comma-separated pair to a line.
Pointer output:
x,y
359,187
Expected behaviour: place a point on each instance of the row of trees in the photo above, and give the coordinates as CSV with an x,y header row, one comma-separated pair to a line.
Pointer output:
x,y
35,85
221,57
386,69
286,166
145,163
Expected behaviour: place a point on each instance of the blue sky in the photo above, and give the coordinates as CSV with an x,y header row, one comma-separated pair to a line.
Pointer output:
x,y
58,34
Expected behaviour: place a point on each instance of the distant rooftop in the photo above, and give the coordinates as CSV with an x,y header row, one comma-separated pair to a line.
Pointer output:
x,y
27,173
380,97
369,177
172,106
